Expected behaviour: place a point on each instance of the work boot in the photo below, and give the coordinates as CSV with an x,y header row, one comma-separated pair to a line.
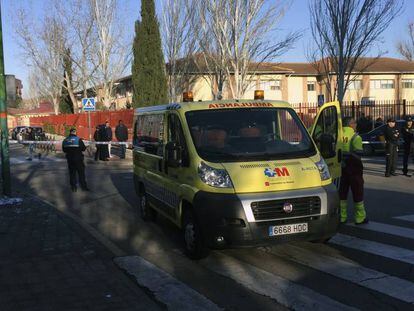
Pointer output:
x,y
360,214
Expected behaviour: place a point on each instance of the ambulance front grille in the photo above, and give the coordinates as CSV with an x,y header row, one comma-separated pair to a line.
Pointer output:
x,y
303,206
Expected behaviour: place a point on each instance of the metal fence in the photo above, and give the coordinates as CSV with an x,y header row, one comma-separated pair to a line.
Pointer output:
x,y
372,110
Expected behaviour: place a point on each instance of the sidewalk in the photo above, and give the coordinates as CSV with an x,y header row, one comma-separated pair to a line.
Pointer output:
x,y
49,262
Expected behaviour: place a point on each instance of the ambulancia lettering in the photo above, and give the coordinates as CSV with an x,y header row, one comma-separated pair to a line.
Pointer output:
x,y
234,105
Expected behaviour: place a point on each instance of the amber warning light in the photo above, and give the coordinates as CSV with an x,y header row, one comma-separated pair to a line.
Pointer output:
x,y
259,95
188,97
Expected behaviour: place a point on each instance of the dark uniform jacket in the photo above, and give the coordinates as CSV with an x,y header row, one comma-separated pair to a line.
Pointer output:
x,y
73,147
104,133
121,133
408,135
391,135
108,133
30,136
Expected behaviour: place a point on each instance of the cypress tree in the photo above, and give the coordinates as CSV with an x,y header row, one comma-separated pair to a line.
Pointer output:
x,y
65,104
148,68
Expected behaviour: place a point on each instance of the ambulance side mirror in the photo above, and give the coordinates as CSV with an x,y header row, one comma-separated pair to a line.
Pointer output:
x,y
173,153
327,146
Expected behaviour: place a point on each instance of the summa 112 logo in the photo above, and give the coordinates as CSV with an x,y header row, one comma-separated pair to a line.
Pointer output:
x,y
277,172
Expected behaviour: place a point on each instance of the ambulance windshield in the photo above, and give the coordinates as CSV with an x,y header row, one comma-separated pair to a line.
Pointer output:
x,y
249,134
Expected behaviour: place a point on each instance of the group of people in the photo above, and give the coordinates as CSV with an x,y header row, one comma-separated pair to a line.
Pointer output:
x,y
392,136
352,168
103,134
365,123
73,147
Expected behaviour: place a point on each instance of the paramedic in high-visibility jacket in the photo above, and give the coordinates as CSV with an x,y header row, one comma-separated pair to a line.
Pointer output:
x,y
74,147
352,173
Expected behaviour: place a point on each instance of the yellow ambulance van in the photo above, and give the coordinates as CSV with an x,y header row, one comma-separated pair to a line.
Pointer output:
x,y
238,173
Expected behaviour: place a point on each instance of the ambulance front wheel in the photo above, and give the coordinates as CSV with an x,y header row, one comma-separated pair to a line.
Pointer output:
x,y
147,213
195,247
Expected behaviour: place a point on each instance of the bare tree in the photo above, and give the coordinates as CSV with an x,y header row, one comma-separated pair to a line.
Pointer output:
x,y
34,92
112,52
41,46
179,44
245,36
210,33
77,18
406,48
344,31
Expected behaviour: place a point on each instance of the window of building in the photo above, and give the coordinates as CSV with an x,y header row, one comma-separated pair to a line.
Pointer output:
x,y
382,84
355,85
311,86
408,83
274,85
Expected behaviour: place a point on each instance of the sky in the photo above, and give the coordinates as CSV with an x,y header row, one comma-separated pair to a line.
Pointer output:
x,y
296,18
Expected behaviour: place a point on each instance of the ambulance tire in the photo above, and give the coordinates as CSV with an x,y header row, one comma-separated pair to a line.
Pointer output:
x,y
146,211
195,247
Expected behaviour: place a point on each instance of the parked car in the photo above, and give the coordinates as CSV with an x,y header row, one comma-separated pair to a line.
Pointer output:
x,y
16,131
374,141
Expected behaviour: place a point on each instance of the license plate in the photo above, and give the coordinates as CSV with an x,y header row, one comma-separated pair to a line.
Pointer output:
x,y
288,229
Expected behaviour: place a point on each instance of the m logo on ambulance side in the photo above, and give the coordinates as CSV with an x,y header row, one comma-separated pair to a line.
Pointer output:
x,y
280,172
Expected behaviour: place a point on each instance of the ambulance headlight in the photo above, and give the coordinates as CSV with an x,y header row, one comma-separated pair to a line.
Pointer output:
x,y
323,169
214,177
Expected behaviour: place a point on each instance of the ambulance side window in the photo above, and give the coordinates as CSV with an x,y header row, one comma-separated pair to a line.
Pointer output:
x,y
326,131
176,135
149,132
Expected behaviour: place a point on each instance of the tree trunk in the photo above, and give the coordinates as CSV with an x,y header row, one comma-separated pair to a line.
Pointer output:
x,y
55,101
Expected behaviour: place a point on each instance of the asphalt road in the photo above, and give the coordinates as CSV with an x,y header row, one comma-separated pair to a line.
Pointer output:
x,y
365,267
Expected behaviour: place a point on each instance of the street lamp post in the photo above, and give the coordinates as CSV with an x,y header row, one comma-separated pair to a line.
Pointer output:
x,y
4,133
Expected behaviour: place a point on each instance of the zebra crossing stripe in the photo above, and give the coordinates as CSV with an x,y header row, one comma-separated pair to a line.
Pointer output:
x,y
409,218
380,249
386,228
350,271
166,289
285,292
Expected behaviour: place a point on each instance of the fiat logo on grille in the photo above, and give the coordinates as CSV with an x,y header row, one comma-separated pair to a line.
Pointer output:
x,y
288,208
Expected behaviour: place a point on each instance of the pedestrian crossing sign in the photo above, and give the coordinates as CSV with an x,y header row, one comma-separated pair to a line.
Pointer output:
x,y
88,104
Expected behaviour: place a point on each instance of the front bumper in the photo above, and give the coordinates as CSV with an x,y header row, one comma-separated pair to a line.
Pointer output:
x,y
226,220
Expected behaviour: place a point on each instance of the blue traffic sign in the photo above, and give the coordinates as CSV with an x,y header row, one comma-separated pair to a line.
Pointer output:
x,y
88,104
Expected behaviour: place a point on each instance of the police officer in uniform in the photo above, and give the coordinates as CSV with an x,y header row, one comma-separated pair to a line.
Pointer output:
x,y
391,147
73,147
408,136
352,173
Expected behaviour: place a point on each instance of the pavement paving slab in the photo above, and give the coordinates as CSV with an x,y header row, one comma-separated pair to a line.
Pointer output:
x,y
49,262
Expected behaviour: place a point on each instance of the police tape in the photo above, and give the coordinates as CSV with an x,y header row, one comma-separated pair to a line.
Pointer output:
x,y
56,142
